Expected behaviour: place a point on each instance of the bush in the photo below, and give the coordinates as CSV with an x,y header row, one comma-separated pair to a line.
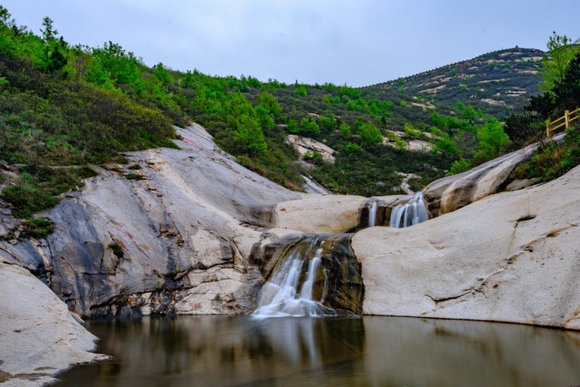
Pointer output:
x,y
552,160
459,166
28,200
492,139
37,228
353,149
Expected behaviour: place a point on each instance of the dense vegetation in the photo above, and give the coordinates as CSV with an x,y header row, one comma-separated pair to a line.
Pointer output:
x,y
497,82
66,108
552,159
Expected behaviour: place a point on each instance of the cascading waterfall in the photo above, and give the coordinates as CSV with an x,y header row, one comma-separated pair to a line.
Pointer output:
x,y
410,213
280,297
373,214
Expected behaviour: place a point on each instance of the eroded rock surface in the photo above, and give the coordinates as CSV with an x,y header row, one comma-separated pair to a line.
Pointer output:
x,y
319,213
453,192
510,257
176,241
39,336
303,145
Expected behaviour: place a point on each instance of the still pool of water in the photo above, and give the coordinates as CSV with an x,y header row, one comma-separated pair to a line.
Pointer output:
x,y
373,351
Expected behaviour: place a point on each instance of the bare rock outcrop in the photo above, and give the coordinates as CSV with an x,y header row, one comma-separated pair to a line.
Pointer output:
x,y
319,213
39,337
509,257
453,192
177,239
303,145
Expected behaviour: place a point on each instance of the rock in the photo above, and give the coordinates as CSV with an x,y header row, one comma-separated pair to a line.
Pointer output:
x,y
39,337
510,257
453,192
305,144
197,211
313,187
519,184
420,145
319,213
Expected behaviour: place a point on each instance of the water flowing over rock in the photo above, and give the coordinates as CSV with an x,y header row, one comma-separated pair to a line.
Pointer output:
x,y
408,214
511,257
373,214
315,275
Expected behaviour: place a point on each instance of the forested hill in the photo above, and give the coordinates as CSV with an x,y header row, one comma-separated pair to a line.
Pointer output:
x,y
66,109
497,82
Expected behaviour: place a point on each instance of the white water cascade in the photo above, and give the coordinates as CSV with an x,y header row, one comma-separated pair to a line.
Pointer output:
x,y
410,213
373,214
280,297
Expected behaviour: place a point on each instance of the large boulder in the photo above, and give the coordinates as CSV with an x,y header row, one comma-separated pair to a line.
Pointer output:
x,y
39,337
509,257
453,192
319,213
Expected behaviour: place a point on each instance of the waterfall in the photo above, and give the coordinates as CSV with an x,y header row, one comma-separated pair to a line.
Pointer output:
x,y
281,297
373,214
410,213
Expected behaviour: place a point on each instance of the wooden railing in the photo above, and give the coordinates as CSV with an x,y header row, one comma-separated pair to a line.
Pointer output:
x,y
563,121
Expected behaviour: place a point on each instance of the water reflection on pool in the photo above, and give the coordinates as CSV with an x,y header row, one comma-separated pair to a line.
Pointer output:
x,y
375,351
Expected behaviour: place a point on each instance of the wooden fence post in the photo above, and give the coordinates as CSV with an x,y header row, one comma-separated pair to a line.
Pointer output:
x,y
547,128
567,115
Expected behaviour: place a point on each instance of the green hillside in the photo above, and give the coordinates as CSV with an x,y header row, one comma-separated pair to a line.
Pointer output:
x,y
66,108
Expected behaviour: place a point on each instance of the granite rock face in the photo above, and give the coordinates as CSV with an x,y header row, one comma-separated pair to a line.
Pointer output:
x,y
319,213
184,231
303,145
453,192
39,336
511,257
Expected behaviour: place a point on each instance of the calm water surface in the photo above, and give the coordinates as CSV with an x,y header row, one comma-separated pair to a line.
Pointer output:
x,y
373,351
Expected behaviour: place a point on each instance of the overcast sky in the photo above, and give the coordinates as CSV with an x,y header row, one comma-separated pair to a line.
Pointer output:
x,y
355,42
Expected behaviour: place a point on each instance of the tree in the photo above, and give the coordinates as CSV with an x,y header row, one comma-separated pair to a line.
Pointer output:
x,y
55,50
249,137
567,92
270,104
492,139
368,133
561,50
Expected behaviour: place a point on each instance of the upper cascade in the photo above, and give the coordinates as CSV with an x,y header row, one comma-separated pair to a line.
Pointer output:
x,y
410,213
373,214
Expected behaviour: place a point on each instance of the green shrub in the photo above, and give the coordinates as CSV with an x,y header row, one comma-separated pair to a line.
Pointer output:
x,y
459,166
37,228
28,200
117,249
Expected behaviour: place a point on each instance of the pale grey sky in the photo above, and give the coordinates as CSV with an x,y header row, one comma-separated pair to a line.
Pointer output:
x,y
357,42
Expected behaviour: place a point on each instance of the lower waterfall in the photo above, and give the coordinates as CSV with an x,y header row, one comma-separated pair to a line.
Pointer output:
x,y
285,295
314,275
410,213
